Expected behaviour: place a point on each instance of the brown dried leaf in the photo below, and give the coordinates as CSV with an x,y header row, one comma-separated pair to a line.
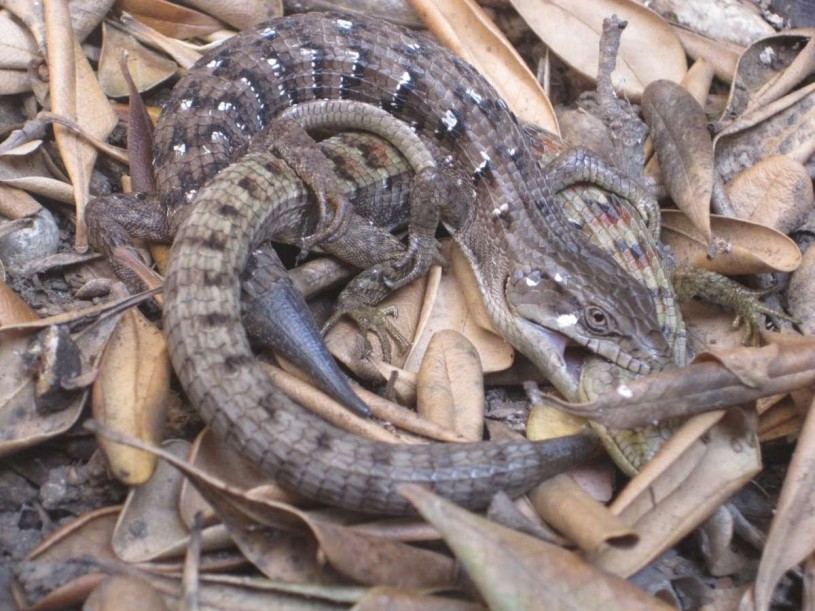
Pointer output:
x,y
792,534
13,82
573,29
181,52
784,420
13,309
170,19
16,203
147,67
375,561
150,527
775,192
724,56
24,425
756,249
464,27
242,15
209,453
801,293
454,301
566,507
710,325
450,388
516,571
697,470
17,48
75,94
87,535
31,174
125,592
770,68
684,149
320,403
698,79
783,127
378,598
698,388
130,393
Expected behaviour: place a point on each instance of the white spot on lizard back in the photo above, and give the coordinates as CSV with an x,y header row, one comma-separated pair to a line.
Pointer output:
x,y
449,120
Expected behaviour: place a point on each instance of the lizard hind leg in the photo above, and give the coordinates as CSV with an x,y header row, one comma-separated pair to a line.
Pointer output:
x,y
289,141
116,221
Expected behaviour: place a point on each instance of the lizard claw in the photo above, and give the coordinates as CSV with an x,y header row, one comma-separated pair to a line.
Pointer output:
x,y
327,231
422,253
376,320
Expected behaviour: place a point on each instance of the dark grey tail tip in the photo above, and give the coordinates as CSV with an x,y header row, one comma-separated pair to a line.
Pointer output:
x,y
353,402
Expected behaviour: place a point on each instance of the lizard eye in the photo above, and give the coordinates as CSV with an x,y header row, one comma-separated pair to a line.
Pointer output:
x,y
596,320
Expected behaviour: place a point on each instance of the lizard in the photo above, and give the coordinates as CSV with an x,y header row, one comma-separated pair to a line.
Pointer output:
x,y
569,288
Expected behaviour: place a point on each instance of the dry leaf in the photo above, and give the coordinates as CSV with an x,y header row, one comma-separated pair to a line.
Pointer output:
x,y
378,598
573,29
147,67
784,127
711,325
17,48
242,15
722,55
30,173
181,52
455,302
792,534
467,30
801,293
775,192
697,388
565,506
87,535
12,308
170,19
75,94
770,68
450,388
756,249
684,149
211,454
376,561
16,203
516,571
320,403
738,22
699,468
149,527
130,393
125,592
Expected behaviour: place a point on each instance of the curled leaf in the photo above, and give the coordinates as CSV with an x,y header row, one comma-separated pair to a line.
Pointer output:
x,y
684,149
573,29
752,248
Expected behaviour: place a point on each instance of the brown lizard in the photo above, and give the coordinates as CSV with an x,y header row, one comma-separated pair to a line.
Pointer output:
x,y
541,278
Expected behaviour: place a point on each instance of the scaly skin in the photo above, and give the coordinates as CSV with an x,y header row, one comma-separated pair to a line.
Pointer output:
x,y
538,274
248,202
540,277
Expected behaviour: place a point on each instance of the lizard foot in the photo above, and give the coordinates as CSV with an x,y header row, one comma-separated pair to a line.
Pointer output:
x,y
422,253
288,140
377,321
690,282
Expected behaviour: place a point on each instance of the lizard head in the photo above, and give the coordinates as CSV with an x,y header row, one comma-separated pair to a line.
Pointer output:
x,y
608,313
